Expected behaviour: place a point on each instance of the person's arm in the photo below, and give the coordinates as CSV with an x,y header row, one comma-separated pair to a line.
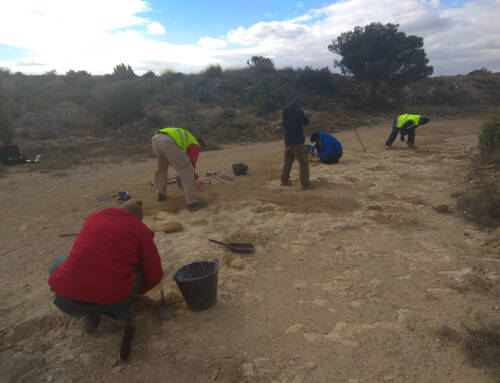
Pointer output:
x,y
304,118
407,124
193,151
150,263
328,146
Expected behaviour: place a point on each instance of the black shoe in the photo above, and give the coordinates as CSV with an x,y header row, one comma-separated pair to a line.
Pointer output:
x,y
197,205
307,187
91,322
162,197
286,183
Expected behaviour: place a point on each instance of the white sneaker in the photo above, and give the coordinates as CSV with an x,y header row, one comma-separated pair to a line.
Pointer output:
x,y
388,146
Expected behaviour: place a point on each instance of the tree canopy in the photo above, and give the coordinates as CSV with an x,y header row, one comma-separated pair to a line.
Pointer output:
x,y
378,52
261,63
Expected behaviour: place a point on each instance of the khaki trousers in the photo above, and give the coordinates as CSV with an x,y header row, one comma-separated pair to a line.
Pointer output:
x,y
168,152
299,152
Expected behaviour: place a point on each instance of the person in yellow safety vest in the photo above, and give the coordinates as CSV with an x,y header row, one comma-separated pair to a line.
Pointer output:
x,y
405,124
179,148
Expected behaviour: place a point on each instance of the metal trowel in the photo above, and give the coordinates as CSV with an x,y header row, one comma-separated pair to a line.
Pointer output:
x,y
165,309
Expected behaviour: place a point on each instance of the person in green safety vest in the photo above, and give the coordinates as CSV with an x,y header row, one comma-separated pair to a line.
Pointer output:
x,y
405,124
179,148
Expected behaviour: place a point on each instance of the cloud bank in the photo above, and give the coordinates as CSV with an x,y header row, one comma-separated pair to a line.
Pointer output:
x,y
97,35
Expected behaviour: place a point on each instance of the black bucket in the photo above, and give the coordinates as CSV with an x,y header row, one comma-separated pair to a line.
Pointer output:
x,y
198,284
240,169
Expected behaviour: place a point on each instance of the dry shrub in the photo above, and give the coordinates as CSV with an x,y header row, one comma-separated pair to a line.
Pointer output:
x,y
481,204
481,345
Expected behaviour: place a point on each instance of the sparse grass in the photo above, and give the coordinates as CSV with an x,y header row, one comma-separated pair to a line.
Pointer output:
x,y
477,280
443,209
481,345
62,154
211,145
481,204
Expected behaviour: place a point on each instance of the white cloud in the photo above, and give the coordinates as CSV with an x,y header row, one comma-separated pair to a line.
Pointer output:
x,y
209,42
156,29
96,35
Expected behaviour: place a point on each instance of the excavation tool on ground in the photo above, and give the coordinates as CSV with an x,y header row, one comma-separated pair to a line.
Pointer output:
x,y
214,174
165,309
359,138
236,247
126,345
169,227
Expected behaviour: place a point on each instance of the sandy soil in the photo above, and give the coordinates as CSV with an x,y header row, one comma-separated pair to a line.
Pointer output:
x,y
350,281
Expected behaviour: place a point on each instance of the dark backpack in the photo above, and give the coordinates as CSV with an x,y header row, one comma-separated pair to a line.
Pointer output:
x,y
10,155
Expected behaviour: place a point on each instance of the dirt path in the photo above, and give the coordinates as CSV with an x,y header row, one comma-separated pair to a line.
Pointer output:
x,y
350,282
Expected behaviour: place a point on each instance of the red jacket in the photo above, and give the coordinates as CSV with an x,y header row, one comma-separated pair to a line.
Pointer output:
x,y
100,268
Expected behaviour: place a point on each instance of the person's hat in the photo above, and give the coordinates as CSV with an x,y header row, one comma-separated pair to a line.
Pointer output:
x,y
135,207
315,137
423,120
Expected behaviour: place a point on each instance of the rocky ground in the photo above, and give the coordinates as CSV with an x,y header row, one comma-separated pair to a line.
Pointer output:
x,y
372,276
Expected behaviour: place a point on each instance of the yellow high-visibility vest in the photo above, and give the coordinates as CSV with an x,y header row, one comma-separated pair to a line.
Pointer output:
x,y
181,137
408,117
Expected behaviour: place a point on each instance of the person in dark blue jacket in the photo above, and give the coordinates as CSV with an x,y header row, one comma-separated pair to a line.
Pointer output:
x,y
294,120
328,147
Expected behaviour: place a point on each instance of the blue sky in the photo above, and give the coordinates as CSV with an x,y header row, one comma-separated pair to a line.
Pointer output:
x,y
186,21
37,36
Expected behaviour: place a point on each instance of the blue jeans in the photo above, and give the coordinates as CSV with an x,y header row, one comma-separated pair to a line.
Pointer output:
x,y
75,308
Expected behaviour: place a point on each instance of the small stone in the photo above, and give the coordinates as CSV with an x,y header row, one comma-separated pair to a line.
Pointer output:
x,y
262,363
237,264
295,329
356,304
388,378
248,369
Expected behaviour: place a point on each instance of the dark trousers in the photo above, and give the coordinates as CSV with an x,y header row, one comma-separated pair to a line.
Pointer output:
x,y
122,310
291,153
331,159
395,131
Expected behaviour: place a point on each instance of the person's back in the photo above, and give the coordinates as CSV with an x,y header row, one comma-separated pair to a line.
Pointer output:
x,y
293,121
331,144
113,243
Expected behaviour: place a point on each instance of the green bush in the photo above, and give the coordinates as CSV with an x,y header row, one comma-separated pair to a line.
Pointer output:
x,y
266,98
213,71
489,139
482,203
317,80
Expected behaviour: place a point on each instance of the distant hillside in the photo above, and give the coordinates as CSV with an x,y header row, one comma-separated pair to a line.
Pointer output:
x,y
225,106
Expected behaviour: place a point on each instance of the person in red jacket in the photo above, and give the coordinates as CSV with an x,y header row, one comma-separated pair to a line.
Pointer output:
x,y
113,259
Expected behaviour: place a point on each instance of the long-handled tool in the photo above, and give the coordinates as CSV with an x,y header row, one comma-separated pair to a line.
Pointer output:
x,y
165,309
126,345
237,247
359,138
169,227
214,174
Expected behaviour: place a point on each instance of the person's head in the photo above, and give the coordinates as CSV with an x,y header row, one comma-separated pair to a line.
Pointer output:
x,y
423,120
315,137
135,207
201,141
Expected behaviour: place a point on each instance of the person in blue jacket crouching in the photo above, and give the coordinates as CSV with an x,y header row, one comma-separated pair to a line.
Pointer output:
x,y
328,147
